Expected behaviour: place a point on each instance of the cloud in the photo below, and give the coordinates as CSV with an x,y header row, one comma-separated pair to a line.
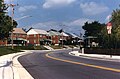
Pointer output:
x,y
7,1
93,8
46,25
108,18
26,8
71,26
80,22
57,3
10,1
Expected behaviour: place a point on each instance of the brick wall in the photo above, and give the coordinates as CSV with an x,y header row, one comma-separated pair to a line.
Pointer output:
x,y
35,38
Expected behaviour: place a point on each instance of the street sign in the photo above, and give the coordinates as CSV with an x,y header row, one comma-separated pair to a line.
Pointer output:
x,y
109,27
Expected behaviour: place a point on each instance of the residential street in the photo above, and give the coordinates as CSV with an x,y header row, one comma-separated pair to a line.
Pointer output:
x,y
60,65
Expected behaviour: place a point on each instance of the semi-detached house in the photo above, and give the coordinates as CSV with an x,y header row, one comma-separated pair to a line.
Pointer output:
x,y
19,37
38,37
55,37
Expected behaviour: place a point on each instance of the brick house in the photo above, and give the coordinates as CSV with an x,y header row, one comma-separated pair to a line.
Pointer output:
x,y
55,37
37,37
70,38
65,38
19,37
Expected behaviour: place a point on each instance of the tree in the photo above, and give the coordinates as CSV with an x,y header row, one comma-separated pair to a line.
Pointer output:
x,y
92,29
112,40
115,20
5,22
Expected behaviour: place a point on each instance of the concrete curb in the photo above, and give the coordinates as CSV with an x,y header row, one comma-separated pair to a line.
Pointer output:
x,y
10,68
96,56
19,71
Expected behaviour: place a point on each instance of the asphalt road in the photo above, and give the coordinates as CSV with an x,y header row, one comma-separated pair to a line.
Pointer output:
x,y
62,66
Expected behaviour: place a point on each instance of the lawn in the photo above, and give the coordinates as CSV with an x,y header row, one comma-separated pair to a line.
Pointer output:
x,y
8,50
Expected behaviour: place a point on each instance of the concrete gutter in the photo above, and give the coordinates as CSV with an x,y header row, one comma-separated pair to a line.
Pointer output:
x,y
107,57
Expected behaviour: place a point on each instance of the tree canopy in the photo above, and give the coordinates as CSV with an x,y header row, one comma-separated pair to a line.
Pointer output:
x,y
100,31
92,29
5,21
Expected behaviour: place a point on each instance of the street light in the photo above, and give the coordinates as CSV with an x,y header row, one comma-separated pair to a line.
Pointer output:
x,y
17,19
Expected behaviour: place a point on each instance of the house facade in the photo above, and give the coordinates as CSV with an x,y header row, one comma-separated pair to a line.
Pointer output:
x,y
40,37
64,39
37,37
55,37
19,37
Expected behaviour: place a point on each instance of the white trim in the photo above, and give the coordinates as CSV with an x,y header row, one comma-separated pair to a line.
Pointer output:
x,y
32,31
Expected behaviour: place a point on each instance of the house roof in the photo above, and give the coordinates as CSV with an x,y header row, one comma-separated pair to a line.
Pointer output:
x,y
68,34
51,33
37,31
74,35
64,34
19,31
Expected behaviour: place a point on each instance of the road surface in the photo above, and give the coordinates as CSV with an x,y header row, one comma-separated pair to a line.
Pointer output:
x,y
60,65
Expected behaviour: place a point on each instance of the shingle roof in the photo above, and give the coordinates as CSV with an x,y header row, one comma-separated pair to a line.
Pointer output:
x,y
51,33
18,31
64,34
37,31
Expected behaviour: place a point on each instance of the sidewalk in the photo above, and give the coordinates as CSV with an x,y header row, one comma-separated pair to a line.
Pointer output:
x,y
10,68
106,57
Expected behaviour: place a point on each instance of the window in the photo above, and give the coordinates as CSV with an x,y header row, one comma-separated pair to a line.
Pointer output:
x,y
34,35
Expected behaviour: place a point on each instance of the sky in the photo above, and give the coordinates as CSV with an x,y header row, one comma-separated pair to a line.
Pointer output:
x,y
69,15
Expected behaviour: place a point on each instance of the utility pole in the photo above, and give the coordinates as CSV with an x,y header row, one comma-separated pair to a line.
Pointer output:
x,y
12,6
62,41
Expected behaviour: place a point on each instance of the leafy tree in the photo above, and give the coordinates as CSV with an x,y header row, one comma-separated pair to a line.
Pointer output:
x,y
92,29
115,20
112,40
5,22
